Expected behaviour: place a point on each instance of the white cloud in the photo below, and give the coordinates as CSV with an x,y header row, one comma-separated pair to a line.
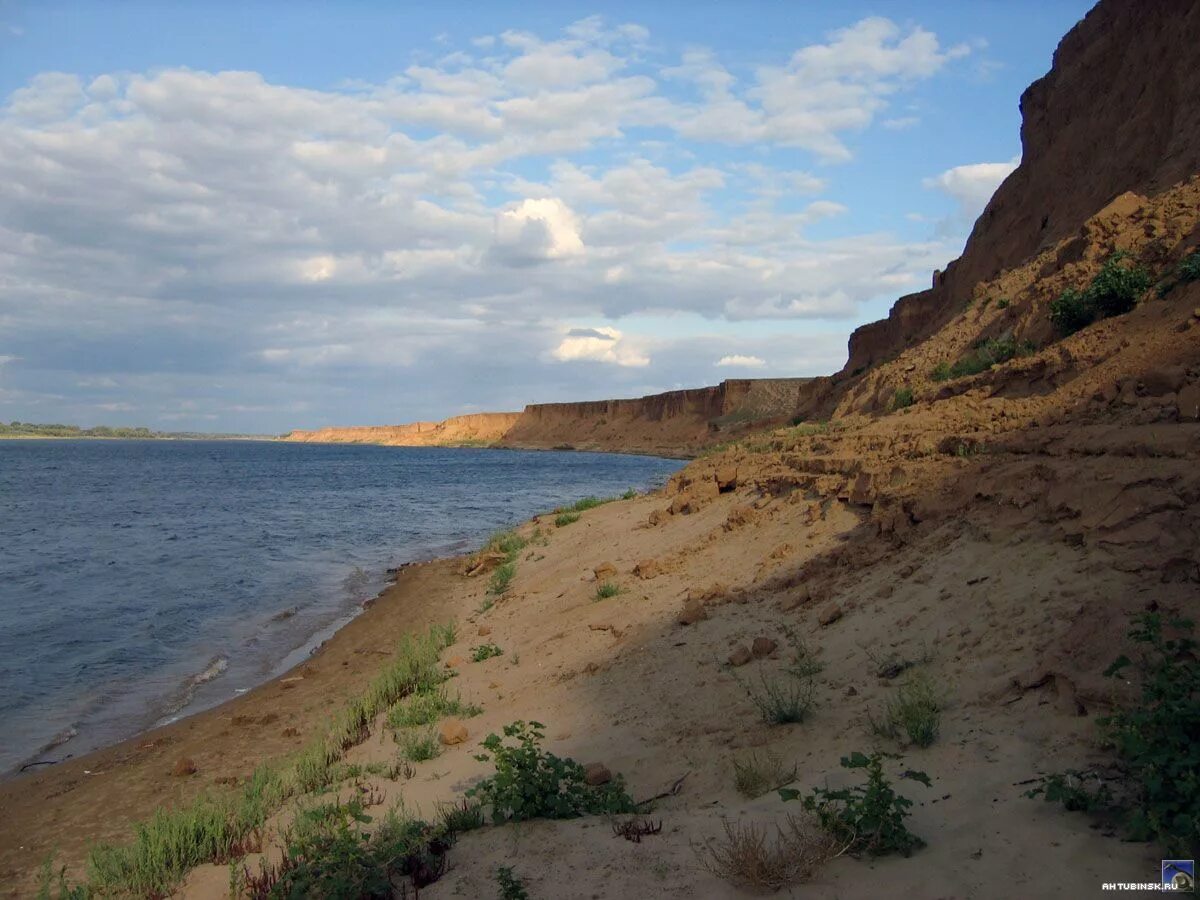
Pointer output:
x,y
606,345
737,360
535,230
972,186
239,243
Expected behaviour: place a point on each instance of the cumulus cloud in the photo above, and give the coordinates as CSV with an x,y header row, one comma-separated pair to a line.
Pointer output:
x,y
741,361
606,345
213,244
972,186
535,230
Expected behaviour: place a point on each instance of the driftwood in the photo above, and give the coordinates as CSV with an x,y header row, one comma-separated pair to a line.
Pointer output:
x,y
672,791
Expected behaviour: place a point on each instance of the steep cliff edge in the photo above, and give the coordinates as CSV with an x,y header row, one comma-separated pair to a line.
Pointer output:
x,y
1117,112
677,422
477,428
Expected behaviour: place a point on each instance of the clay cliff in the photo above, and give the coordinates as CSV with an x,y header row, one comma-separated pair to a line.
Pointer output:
x,y
1117,112
476,428
674,423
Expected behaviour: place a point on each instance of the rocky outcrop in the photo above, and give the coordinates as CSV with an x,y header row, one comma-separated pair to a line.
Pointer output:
x,y
477,428
1116,113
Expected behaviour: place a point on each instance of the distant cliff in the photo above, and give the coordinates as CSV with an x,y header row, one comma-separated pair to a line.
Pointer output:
x,y
1116,113
477,428
675,423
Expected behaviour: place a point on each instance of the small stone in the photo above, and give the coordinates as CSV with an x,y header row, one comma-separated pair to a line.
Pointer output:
x,y
451,732
726,478
658,516
647,568
693,612
1189,403
795,600
183,766
290,732
596,774
830,614
763,646
604,571
852,691
740,656
455,662
484,630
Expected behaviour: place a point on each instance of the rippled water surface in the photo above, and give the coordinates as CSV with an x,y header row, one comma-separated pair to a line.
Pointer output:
x,y
144,579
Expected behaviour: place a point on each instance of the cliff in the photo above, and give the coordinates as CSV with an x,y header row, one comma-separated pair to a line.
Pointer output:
x,y
1117,112
477,428
677,422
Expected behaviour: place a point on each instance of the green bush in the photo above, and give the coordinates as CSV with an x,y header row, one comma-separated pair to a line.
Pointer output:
x,y
1002,303
426,708
419,745
629,494
903,398
1156,792
502,578
1114,291
1189,269
607,589
755,775
1116,288
783,700
565,519
984,355
530,783
865,818
485,651
510,885
339,859
916,710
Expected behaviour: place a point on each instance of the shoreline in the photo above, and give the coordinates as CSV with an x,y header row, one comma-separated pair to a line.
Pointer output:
x,y
73,799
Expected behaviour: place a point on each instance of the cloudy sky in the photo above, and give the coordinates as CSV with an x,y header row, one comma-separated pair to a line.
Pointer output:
x,y
259,216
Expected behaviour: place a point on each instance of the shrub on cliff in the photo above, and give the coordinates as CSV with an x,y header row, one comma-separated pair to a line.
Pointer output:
x,y
866,818
530,783
1155,789
1114,291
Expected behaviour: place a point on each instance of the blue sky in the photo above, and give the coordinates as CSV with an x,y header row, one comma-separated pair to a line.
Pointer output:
x,y
263,216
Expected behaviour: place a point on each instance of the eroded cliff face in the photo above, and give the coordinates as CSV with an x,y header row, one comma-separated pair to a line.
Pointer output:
x,y
1117,112
675,423
478,428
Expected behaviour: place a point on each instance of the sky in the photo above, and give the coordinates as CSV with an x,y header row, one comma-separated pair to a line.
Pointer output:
x,y
253,217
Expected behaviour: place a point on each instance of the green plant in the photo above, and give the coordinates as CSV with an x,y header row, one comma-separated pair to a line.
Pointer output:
x,y
562,520
940,372
53,884
507,542
502,578
1189,269
630,494
755,775
426,708
1114,291
488,603
1116,287
462,816
485,651
1155,791
530,783
865,818
782,700
1071,311
607,589
418,745
902,399
1002,303
916,710
510,885
340,858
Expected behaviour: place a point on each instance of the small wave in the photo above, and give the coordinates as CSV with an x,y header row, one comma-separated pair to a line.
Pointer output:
x,y
216,666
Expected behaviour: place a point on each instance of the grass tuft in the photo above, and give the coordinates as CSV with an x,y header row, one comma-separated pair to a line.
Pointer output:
x,y
753,776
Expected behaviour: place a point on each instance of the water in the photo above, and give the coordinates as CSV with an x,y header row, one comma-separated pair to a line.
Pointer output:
x,y
141,580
